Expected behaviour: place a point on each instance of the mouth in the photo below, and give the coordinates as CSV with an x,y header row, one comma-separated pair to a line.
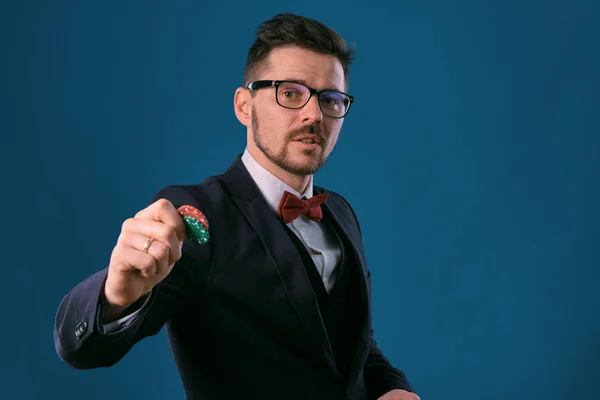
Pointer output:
x,y
308,139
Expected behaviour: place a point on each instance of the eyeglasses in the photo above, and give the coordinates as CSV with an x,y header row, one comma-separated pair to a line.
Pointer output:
x,y
294,95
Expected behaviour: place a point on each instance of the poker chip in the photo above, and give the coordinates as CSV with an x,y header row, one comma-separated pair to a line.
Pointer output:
x,y
196,224
193,212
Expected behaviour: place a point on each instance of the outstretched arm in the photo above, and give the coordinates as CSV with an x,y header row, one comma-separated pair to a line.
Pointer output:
x,y
80,337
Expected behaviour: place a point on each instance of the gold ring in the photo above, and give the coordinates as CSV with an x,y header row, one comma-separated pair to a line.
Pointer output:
x,y
148,243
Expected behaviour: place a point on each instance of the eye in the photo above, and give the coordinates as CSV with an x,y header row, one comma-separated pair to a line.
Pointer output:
x,y
332,101
289,94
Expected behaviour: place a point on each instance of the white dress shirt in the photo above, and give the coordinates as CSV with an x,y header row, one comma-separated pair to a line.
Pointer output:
x,y
320,240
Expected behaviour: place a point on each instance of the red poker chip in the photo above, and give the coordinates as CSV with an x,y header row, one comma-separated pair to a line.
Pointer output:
x,y
190,211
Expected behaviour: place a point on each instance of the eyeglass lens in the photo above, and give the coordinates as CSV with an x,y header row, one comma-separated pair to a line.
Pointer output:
x,y
295,95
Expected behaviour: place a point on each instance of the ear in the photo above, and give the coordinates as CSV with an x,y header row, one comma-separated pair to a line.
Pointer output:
x,y
242,105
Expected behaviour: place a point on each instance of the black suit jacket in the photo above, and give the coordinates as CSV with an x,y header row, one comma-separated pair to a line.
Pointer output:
x,y
240,314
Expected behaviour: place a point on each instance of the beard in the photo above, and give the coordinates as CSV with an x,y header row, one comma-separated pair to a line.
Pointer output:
x,y
281,158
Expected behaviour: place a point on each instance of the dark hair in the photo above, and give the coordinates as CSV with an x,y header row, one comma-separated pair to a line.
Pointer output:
x,y
293,30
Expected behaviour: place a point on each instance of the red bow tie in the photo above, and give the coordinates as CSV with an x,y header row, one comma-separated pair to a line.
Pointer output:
x,y
291,207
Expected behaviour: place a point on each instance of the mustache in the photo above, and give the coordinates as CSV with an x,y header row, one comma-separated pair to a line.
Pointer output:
x,y
313,129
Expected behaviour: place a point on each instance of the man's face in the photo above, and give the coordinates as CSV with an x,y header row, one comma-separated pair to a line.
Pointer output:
x,y
276,130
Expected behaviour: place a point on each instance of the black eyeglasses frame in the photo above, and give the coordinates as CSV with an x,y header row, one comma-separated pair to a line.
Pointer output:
x,y
267,83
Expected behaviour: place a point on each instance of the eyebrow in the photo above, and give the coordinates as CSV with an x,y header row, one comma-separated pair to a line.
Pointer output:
x,y
303,82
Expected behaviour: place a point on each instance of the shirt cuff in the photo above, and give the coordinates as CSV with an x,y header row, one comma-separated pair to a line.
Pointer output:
x,y
123,322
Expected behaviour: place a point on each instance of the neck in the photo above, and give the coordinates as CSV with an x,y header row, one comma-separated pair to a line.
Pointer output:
x,y
297,182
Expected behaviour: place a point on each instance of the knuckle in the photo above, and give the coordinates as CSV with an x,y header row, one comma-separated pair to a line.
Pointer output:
x,y
162,266
163,204
123,238
121,252
127,224
147,264
177,253
167,233
162,251
116,256
174,257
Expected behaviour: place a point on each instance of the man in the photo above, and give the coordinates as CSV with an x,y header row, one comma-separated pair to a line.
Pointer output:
x,y
277,303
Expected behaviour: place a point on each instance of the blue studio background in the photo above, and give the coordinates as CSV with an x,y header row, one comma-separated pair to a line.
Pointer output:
x,y
478,122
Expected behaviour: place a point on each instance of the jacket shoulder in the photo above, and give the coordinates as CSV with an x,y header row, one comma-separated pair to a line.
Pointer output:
x,y
202,195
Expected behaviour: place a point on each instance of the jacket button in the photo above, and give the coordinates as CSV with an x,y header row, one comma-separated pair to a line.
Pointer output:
x,y
80,329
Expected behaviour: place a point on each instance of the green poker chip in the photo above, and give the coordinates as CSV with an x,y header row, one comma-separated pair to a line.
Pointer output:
x,y
196,231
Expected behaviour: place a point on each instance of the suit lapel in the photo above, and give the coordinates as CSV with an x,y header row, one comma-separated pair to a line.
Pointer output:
x,y
283,253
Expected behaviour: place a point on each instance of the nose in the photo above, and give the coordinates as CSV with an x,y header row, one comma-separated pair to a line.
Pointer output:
x,y
311,112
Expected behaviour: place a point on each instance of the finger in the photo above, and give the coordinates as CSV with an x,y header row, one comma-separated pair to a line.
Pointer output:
x,y
131,259
156,230
164,211
157,249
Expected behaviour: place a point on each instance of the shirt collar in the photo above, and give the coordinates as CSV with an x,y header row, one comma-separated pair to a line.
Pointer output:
x,y
271,187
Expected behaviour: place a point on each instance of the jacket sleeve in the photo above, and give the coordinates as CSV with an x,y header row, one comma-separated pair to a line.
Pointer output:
x,y
79,337
380,376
